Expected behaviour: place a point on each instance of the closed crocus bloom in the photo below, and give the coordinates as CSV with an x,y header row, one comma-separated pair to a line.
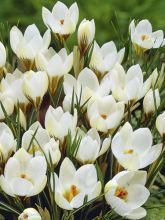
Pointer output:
x,y
91,147
133,149
160,124
28,45
24,175
105,114
58,123
62,21
2,55
126,193
56,65
151,102
73,185
8,104
37,141
7,142
86,34
158,78
21,119
12,84
86,88
104,58
143,38
30,214
35,85
128,86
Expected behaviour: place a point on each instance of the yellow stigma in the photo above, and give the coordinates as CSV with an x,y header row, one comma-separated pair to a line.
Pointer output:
x,y
144,37
129,151
69,195
121,193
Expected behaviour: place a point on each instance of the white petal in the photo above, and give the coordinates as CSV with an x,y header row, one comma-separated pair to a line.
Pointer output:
x,y
136,214
141,139
137,195
150,156
67,172
144,26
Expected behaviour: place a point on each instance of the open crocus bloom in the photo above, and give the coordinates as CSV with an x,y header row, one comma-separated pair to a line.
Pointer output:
x,y
56,65
2,55
105,113
12,84
62,20
91,147
41,143
126,193
24,175
86,88
73,185
133,149
35,85
143,37
160,124
58,123
7,142
29,214
28,45
104,58
128,86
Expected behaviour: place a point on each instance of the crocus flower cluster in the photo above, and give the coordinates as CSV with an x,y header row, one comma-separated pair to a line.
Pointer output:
x,y
82,127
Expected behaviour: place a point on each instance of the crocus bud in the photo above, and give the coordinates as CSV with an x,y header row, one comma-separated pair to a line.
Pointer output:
x,y
160,124
2,55
158,78
86,33
29,214
151,101
22,119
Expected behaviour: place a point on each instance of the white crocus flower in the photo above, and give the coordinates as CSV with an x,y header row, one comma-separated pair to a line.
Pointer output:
x,y
105,114
143,38
104,58
151,101
24,175
86,88
21,118
28,45
2,55
35,85
160,124
86,34
7,103
133,149
73,185
12,84
126,193
29,214
58,123
158,77
56,65
91,147
37,141
61,20
128,86
7,142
